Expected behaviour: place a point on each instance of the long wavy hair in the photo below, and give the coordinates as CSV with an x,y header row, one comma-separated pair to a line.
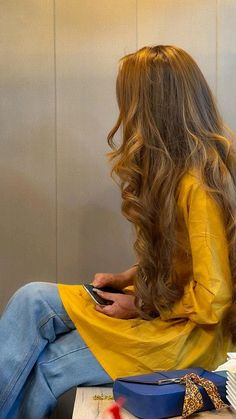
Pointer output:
x,y
170,125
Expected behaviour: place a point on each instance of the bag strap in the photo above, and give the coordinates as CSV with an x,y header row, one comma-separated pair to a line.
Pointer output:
x,y
193,400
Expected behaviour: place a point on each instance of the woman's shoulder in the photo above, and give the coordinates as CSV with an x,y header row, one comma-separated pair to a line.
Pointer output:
x,y
194,194
189,179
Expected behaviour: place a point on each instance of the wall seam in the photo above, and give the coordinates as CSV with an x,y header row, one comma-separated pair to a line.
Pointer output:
x,y
217,61
136,25
55,138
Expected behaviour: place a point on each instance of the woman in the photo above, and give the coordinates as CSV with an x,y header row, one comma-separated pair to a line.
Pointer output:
x,y
176,168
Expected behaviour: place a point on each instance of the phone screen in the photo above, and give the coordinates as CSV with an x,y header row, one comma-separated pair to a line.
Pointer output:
x,y
99,300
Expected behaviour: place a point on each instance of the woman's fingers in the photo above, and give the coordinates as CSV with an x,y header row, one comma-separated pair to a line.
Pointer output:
x,y
106,295
102,279
108,310
122,307
109,279
111,310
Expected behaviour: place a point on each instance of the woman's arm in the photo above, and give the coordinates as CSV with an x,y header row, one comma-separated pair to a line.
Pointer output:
x,y
116,280
129,274
208,294
123,306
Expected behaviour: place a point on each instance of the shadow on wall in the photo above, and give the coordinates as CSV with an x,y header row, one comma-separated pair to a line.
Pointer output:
x,y
102,241
93,236
111,245
27,225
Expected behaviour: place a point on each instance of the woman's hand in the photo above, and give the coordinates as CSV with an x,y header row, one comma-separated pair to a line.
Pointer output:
x,y
123,306
117,280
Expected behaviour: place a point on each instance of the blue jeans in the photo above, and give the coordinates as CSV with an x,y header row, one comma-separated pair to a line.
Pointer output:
x,y
41,354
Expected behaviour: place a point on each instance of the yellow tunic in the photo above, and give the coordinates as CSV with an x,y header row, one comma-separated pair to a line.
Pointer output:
x,y
191,334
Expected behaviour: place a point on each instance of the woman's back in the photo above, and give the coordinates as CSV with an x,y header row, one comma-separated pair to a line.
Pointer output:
x,y
171,126
191,332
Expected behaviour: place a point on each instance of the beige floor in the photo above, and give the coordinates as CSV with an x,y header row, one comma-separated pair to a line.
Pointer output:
x,y
87,407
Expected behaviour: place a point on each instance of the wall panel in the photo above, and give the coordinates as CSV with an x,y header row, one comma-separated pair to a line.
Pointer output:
x,y
90,38
60,210
226,63
27,170
189,24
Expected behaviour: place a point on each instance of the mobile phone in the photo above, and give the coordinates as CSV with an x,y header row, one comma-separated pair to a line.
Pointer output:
x,y
99,300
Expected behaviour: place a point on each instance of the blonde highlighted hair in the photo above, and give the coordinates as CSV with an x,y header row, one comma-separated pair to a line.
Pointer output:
x,y
170,124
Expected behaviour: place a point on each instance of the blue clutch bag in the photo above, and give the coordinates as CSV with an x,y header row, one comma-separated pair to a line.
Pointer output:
x,y
160,395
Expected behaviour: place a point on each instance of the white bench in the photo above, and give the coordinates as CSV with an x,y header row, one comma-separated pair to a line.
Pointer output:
x,y
87,406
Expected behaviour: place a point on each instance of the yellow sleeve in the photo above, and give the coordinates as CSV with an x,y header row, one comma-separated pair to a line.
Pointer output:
x,y
209,292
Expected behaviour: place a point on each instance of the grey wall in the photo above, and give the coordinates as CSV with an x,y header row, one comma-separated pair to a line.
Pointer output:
x,y
60,211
